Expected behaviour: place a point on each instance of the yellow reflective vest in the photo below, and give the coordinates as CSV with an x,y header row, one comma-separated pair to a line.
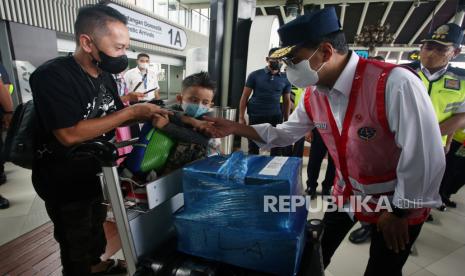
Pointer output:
x,y
447,95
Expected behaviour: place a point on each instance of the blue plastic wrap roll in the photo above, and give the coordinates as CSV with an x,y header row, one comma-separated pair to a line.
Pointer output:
x,y
224,219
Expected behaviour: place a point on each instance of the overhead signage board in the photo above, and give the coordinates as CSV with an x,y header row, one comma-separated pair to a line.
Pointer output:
x,y
150,30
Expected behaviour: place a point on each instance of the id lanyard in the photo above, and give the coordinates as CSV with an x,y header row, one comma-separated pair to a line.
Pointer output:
x,y
144,79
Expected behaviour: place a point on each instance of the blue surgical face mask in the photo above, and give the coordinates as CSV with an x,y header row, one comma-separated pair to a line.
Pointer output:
x,y
194,110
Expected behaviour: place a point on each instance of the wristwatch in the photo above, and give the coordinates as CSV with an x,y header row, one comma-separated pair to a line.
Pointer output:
x,y
398,212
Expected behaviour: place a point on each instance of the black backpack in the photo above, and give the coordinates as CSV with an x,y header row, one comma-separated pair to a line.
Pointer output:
x,y
19,143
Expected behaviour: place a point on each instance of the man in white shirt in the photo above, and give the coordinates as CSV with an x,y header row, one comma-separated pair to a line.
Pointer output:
x,y
379,126
141,79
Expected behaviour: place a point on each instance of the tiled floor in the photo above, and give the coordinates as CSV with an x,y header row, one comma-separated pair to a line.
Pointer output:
x,y
440,247
27,210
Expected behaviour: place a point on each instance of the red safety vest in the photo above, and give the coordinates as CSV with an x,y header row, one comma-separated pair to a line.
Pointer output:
x,y
365,153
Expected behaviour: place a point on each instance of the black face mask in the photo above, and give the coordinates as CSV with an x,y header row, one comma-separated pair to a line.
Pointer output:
x,y
275,65
113,65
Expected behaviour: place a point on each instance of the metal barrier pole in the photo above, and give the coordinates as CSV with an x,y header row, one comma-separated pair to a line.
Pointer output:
x,y
229,114
111,179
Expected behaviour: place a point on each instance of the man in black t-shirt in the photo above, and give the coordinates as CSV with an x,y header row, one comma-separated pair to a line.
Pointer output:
x,y
70,111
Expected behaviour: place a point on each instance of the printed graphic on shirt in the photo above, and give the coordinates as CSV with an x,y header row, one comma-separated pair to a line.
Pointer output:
x,y
107,105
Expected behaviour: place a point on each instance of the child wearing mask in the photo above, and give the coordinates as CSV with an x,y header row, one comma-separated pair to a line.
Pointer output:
x,y
195,101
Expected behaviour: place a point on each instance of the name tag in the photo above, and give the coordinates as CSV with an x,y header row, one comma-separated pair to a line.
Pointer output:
x,y
452,84
321,125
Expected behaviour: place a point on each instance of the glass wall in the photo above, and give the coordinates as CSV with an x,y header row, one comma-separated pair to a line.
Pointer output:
x,y
205,21
173,11
197,20
163,81
145,4
161,8
176,77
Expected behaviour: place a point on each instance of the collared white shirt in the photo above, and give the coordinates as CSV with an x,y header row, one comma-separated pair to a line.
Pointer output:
x,y
134,76
436,75
411,118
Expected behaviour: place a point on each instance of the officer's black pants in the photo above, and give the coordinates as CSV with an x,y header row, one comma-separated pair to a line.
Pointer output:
x,y
273,120
454,176
382,262
317,154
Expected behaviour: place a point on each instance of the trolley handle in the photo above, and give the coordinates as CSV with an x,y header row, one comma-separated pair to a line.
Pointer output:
x,y
126,143
105,152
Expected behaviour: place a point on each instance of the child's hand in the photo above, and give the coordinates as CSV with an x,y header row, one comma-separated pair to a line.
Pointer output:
x,y
197,124
160,121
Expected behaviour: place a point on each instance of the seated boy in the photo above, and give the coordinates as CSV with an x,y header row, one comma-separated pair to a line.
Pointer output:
x,y
195,101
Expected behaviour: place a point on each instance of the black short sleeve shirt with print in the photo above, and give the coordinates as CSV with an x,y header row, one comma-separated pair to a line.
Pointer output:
x,y
64,95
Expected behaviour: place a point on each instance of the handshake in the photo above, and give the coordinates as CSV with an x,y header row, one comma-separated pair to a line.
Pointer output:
x,y
209,126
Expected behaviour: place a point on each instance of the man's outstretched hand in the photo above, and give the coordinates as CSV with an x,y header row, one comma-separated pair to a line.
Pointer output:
x,y
217,127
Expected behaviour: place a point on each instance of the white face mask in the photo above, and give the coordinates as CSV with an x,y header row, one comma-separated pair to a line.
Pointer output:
x,y
301,74
143,66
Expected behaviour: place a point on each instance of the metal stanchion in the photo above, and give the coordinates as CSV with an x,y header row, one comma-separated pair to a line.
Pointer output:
x,y
230,114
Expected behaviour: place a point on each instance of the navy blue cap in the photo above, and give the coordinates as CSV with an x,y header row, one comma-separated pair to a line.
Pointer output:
x,y
449,34
307,28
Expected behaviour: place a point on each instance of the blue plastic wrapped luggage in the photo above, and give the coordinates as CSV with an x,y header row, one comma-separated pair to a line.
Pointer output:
x,y
223,217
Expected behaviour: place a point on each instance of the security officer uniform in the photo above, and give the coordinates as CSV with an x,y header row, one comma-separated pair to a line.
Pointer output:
x,y
447,92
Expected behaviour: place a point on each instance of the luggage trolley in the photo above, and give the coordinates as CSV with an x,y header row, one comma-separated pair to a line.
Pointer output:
x,y
148,237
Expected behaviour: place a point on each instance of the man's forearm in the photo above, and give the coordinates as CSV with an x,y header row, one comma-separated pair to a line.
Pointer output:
x,y
5,99
287,110
247,132
457,121
89,129
242,107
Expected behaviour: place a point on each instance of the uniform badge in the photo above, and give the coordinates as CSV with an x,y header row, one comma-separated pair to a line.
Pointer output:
x,y
452,84
366,133
441,32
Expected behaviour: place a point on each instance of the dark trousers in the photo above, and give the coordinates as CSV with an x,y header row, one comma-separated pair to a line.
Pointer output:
x,y
298,148
317,154
382,260
79,231
454,176
273,120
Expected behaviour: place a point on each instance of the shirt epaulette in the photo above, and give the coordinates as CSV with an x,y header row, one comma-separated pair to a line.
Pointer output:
x,y
457,71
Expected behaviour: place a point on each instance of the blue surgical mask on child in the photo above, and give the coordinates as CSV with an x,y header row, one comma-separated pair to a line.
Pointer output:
x,y
194,110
